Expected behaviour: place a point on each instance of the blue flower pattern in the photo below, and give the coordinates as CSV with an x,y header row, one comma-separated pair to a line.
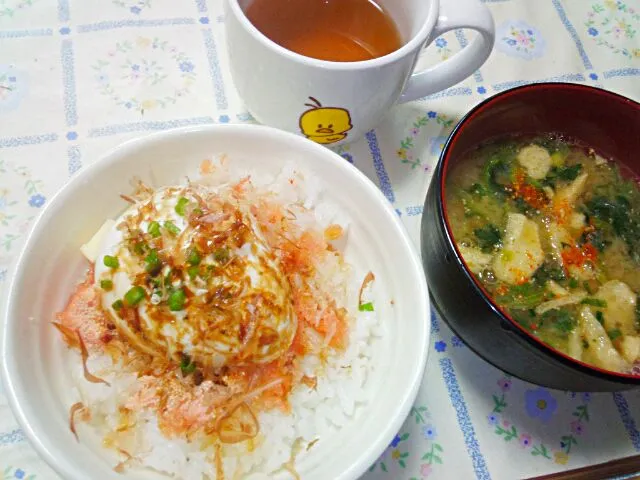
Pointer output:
x,y
10,473
613,26
13,88
146,65
36,200
186,66
135,7
429,432
519,39
30,197
540,403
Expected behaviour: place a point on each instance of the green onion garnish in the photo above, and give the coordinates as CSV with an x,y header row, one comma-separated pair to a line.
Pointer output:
x,y
615,333
154,229
111,262
193,272
139,248
134,296
198,211
106,285
600,317
221,255
117,305
366,307
206,273
186,365
180,206
171,227
153,263
176,300
596,302
194,257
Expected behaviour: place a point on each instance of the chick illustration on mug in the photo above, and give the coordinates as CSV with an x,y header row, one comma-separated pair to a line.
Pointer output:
x,y
325,124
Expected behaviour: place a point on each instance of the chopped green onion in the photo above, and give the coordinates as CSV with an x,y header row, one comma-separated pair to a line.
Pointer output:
x,y
206,274
596,302
478,189
117,305
139,248
186,365
560,319
600,317
366,307
171,227
177,299
573,283
134,296
521,297
198,211
221,255
154,229
615,333
193,272
153,263
106,285
180,206
194,257
111,262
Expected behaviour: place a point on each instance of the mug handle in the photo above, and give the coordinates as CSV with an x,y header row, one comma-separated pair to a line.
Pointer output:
x,y
454,14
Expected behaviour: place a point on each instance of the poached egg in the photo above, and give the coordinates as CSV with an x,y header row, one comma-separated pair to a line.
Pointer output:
x,y
186,274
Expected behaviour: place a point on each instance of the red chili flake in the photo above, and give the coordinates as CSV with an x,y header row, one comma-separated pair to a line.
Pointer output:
x,y
580,255
530,194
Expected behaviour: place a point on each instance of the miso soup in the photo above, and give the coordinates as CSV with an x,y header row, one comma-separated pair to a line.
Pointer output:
x,y
552,231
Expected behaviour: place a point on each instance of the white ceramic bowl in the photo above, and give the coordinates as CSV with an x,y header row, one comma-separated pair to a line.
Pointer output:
x,y
50,264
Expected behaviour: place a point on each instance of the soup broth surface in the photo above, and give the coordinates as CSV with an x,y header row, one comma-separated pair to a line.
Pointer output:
x,y
552,232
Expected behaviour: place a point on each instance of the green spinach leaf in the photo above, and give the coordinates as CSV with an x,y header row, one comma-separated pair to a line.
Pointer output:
x,y
488,237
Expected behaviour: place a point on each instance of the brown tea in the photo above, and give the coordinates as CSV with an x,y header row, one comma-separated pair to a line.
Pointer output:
x,y
335,30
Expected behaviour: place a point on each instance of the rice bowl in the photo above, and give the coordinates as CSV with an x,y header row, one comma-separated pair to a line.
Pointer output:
x,y
155,413
398,328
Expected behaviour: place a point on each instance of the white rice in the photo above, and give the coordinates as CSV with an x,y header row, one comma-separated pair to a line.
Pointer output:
x,y
317,414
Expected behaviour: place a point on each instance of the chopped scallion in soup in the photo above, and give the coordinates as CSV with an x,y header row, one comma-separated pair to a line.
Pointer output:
x,y
552,231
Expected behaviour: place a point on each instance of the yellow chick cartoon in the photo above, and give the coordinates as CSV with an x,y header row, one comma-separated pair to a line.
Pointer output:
x,y
325,124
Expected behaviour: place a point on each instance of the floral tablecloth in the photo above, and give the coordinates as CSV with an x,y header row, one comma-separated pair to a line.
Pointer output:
x,y
78,77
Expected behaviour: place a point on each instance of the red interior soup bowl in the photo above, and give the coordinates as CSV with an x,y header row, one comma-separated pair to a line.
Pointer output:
x,y
560,327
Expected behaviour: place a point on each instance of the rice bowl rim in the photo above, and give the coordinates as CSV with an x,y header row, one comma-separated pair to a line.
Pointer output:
x,y
43,440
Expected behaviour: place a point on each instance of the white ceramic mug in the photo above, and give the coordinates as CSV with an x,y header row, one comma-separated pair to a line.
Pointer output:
x,y
337,102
